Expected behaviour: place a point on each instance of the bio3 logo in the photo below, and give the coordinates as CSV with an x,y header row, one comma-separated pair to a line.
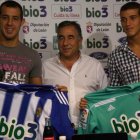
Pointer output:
x,y
33,0
126,124
66,8
119,28
65,0
103,43
31,12
96,0
103,12
125,0
41,44
16,131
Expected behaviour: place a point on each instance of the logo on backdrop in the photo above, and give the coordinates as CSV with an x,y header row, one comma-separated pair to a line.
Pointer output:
x,y
103,12
94,43
41,44
119,28
66,11
96,0
99,55
116,10
65,0
26,28
55,44
30,11
89,27
122,40
125,0
102,27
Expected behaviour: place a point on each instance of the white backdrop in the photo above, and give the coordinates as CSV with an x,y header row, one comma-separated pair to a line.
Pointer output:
x,y
99,20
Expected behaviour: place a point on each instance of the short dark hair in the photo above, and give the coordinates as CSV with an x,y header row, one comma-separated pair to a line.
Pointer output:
x,y
70,23
130,5
13,4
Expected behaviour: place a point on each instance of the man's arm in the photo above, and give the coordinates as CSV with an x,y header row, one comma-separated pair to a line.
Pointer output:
x,y
83,103
35,80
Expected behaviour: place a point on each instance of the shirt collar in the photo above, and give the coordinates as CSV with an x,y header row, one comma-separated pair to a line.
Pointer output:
x,y
59,61
127,49
125,46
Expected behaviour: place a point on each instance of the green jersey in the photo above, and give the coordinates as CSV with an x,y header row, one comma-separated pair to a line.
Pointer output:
x,y
112,110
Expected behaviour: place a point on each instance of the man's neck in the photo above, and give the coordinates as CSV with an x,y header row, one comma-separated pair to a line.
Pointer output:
x,y
134,44
68,62
134,40
9,43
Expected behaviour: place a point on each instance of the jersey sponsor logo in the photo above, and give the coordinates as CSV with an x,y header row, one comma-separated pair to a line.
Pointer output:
x,y
83,118
110,108
38,111
125,124
17,131
61,97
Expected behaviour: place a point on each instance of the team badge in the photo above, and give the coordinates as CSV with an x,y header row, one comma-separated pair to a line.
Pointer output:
x,y
89,27
38,112
26,28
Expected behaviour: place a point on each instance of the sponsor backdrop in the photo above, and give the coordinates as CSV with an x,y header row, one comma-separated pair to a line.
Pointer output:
x,y
99,20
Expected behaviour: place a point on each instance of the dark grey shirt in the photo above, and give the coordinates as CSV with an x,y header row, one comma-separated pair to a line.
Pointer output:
x,y
18,64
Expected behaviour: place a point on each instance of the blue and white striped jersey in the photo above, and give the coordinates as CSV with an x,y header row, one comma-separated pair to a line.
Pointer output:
x,y
23,109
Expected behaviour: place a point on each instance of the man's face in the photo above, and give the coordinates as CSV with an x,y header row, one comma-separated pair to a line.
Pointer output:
x,y
69,42
10,23
130,20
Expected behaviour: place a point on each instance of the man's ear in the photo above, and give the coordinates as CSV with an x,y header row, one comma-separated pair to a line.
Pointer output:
x,y
23,21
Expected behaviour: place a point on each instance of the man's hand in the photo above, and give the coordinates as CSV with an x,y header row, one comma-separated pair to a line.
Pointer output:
x,y
83,103
62,88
